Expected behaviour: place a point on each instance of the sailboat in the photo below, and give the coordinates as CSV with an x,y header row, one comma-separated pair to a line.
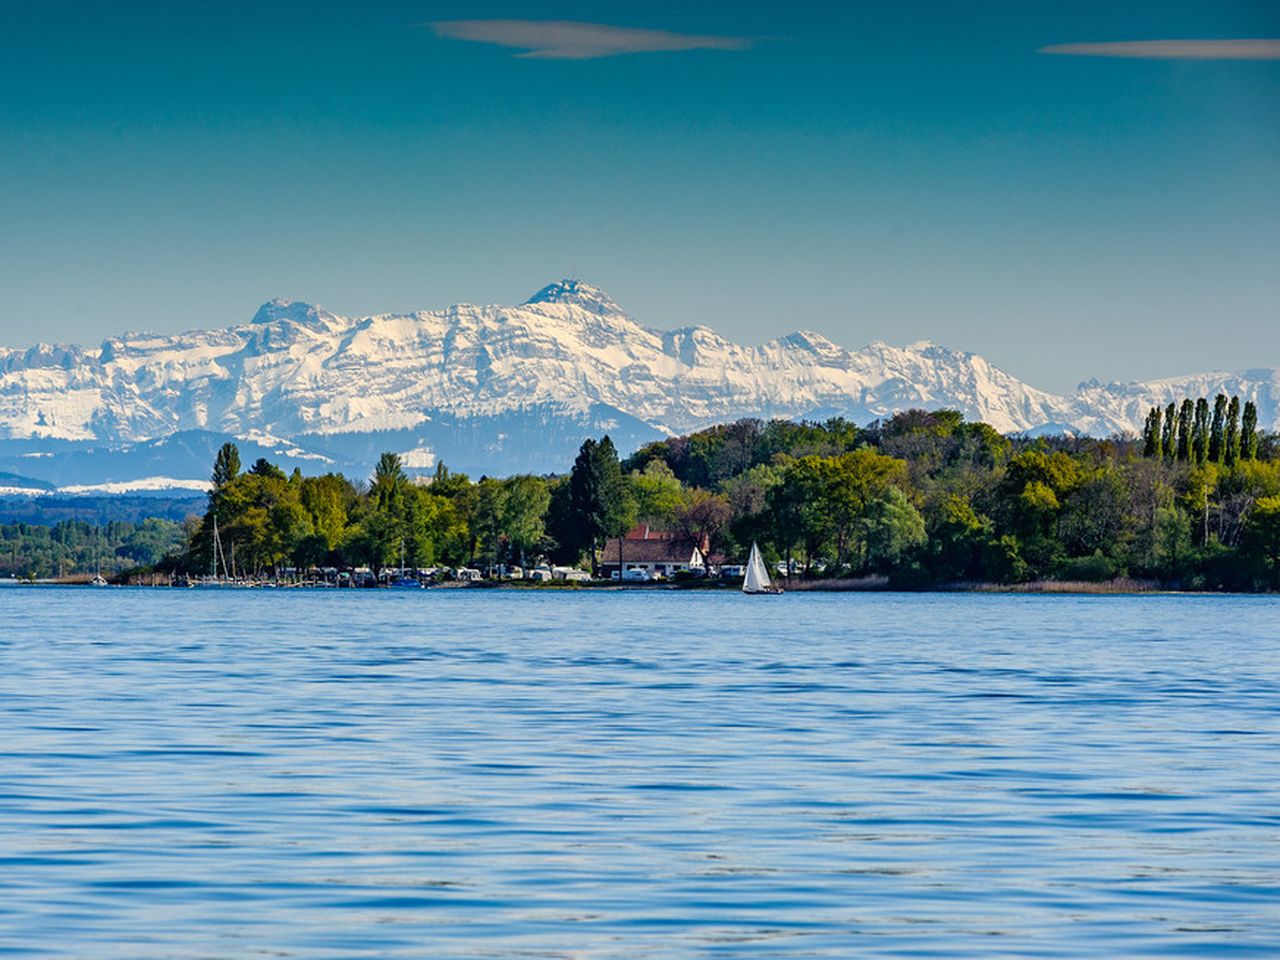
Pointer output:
x,y
403,582
98,579
757,576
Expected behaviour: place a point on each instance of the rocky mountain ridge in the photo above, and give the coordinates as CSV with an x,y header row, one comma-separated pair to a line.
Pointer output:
x,y
304,378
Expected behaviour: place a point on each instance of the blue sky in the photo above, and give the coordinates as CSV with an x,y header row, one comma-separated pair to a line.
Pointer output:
x,y
893,171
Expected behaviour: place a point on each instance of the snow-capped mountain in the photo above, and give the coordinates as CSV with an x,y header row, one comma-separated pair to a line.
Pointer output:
x,y
503,388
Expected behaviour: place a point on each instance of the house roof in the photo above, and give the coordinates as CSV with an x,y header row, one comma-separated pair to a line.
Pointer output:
x,y
643,531
648,551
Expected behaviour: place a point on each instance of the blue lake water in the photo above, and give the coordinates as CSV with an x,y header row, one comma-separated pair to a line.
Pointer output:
x,y
478,774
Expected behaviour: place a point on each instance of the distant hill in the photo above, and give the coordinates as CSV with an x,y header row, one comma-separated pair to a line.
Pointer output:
x,y
100,510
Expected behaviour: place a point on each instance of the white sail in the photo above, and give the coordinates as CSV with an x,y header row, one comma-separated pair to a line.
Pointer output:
x,y
757,577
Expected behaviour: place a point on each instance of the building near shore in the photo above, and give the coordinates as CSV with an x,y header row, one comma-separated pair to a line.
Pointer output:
x,y
656,552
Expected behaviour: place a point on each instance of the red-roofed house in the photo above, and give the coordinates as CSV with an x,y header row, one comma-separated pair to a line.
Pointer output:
x,y
653,551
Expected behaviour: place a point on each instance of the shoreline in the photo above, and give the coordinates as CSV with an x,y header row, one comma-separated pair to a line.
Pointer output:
x,y
1122,586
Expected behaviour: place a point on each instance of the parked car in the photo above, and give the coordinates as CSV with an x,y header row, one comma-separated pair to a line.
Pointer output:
x,y
636,575
577,576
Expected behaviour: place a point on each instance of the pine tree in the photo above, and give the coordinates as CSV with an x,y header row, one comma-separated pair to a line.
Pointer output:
x,y
1215,432
388,479
598,495
1200,432
1249,432
1151,434
1231,439
1169,436
226,467
1186,414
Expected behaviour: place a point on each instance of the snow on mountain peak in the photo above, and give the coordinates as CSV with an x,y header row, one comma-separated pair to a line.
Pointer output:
x,y
578,293
299,370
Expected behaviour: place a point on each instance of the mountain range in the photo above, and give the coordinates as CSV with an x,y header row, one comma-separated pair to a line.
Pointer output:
x,y
496,389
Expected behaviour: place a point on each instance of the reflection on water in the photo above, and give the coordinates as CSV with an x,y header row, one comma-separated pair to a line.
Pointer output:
x,y
481,774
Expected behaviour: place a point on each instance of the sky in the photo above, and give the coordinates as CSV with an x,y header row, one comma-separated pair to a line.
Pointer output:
x,y
1070,189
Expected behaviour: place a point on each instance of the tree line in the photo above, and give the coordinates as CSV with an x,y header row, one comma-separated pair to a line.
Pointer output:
x,y
923,498
1188,434
74,547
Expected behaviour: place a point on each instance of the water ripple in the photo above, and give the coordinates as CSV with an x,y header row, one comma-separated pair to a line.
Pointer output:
x,y
467,774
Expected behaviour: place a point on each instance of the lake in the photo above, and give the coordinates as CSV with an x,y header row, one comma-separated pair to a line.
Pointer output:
x,y
492,774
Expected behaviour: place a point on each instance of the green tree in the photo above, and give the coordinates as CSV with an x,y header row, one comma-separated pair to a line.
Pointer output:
x,y
328,500
262,467
808,482
1172,542
388,480
1261,543
385,529
958,540
262,519
658,494
1029,500
1200,432
1186,416
788,517
1249,432
1169,437
487,519
835,492
599,501
1151,439
1096,514
1217,447
894,529
1231,437
524,519
226,466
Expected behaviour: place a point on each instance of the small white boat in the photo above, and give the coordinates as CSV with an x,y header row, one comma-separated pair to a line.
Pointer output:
x,y
756,579
98,581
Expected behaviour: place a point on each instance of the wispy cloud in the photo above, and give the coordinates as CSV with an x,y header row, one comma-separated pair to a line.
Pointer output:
x,y
1173,49
575,40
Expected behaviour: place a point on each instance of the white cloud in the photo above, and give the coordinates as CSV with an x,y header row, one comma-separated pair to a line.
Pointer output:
x,y
574,40
1174,49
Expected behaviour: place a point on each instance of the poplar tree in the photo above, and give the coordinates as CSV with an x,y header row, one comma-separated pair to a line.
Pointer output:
x,y
1200,432
1215,432
1186,414
1249,432
1169,436
1231,438
1151,434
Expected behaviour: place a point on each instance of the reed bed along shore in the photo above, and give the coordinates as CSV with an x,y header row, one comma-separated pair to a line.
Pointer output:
x,y
1118,585
870,583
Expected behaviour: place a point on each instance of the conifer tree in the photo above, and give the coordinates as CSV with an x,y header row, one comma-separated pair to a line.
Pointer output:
x,y
1151,434
1186,414
598,495
1231,437
1200,432
388,479
1215,431
226,467
1249,432
1169,436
